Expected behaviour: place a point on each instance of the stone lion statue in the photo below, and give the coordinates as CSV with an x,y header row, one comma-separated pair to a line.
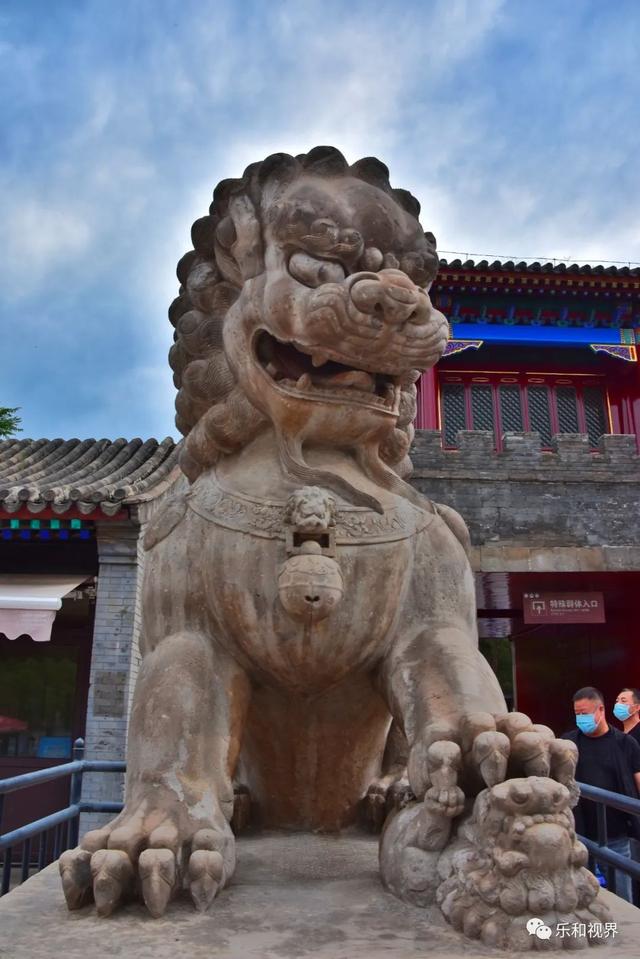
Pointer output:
x,y
300,596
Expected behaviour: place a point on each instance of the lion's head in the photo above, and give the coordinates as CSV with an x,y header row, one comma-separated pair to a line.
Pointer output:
x,y
304,305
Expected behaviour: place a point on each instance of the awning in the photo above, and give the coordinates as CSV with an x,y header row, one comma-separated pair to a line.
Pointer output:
x,y
9,724
29,603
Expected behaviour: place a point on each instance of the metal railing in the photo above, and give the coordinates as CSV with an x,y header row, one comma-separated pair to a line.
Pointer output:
x,y
59,830
609,860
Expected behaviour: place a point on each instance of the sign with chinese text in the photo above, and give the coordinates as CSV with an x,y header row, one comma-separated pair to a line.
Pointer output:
x,y
563,607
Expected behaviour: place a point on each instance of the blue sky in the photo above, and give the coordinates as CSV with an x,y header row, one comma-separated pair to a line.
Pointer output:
x,y
515,123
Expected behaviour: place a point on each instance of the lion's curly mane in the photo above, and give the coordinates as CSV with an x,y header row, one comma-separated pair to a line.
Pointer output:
x,y
212,411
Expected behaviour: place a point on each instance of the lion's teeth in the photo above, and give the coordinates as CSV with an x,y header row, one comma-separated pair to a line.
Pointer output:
x,y
319,358
358,379
304,382
271,369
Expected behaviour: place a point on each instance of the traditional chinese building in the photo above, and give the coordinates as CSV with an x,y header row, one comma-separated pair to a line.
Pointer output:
x,y
69,576
529,426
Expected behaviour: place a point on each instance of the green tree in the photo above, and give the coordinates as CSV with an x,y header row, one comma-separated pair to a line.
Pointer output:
x,y
9,422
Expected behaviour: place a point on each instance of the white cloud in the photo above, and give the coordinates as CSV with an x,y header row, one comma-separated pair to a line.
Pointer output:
x,y
514,141
40,236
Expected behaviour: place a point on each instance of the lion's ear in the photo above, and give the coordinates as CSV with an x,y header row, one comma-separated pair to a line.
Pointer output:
x,y
238,242
247,248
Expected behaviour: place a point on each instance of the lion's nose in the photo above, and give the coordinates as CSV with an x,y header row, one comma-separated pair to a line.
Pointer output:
x,y
390,297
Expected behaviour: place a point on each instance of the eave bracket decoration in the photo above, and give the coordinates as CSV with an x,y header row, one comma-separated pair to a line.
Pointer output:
x,y
627,353
459,346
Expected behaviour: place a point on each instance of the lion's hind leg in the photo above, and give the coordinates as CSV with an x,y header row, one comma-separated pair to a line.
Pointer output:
x,y
174,831
390,790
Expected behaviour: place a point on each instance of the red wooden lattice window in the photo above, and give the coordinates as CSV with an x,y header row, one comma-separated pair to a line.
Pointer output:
x,y
512,402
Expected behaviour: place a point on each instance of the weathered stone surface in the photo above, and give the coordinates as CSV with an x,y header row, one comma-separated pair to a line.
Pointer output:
x,y
292,896
301,595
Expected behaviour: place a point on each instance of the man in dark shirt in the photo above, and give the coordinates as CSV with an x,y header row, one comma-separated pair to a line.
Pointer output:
x,y
610,760
627,710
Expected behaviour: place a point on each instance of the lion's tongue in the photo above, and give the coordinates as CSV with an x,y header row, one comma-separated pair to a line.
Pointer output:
x,y
357,379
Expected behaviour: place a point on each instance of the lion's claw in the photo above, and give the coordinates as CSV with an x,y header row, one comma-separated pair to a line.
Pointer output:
x,y
112,873
448,802
531,753
490,753
386,793
75,872
206,871
485,750
158,874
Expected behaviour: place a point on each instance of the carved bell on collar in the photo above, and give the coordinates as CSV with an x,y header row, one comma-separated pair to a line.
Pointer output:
x,y
310,584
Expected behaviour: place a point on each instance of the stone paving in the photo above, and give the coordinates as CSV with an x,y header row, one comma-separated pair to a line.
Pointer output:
x,y
292,896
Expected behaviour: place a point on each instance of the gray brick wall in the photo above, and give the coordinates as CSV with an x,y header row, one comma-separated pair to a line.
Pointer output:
x,y
114,661
527,508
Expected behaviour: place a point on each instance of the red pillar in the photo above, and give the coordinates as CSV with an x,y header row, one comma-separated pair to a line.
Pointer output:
x,y
635,402
427,412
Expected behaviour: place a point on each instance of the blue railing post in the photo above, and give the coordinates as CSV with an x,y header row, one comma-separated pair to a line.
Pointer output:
x,y
603,840
60,829
75,792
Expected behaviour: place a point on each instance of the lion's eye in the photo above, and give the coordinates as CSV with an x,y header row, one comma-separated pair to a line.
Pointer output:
x,y
313,272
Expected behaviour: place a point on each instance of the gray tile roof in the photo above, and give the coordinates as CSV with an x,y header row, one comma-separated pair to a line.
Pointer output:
x,y
85,475
510,266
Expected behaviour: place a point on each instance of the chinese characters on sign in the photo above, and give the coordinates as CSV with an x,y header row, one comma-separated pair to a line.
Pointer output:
x,y
563,607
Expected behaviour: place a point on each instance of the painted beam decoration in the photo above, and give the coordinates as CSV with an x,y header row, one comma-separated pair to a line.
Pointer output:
x,y
473,335
628,353
61,530
543,305
459,346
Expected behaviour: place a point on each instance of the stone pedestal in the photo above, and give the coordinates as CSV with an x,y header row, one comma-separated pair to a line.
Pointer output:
x,y
293,896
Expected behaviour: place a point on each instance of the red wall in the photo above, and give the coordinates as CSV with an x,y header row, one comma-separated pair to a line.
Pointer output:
x,y
622,383
552,662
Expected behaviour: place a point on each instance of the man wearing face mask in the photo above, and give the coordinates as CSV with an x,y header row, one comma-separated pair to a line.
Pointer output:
x,y
610,760
627,710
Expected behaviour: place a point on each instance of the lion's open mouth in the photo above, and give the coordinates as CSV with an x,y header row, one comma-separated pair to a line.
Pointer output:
x,y
309,371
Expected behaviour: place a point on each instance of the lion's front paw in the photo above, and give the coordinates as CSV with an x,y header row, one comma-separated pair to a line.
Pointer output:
x,y
152,849
492,749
